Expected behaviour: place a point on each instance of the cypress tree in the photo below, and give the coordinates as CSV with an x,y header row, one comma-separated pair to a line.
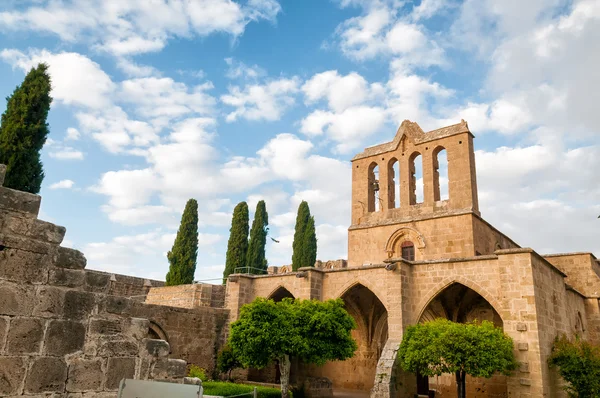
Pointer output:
x,y
237,247
309,244
24,130
256,261
297,246
182,257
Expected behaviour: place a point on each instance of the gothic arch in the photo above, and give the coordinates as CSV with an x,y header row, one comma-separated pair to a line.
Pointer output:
x,y
440,287
279,293
353,283
155,331
404,233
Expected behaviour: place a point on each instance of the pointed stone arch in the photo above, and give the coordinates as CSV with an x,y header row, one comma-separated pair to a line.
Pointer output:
x,y
280,293
401,235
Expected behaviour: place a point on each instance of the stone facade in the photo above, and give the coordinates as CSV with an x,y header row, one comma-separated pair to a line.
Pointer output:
x,y
67,331
410,262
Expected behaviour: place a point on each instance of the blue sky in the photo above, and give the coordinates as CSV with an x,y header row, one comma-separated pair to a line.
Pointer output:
x,y
223,101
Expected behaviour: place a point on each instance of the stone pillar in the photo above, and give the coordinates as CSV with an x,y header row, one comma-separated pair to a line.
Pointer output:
x,y
238,293
427,177
404,179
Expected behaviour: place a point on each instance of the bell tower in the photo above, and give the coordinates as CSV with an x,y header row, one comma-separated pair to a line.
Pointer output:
x,y
386,205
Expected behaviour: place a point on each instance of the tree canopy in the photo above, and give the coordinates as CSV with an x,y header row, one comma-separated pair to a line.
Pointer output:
x,y
314,331
256,261
442,346
578,364
24,130
302,218
182,257
309,244
237,246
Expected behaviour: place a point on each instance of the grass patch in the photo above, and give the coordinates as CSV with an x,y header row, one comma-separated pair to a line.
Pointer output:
x,y
226,389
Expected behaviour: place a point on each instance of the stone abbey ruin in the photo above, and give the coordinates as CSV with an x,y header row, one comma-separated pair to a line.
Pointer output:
x,y
68,331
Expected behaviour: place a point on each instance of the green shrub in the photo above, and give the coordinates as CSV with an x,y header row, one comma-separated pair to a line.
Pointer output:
x,y
197,371
226,361
578,364
225,389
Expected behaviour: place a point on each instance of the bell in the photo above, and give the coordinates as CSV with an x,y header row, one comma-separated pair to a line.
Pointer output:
x,y
376,186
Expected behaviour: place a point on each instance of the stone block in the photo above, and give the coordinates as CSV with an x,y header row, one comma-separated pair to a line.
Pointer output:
x,y
66,277
523,346
64,337
47,374
136,328
12,373
521,327
117,305
69,258
318,387
47,232
524,367
20,202
49,302
525,382
192,380
78,305
4,321
169,369
117,348
157,348
85,375
97,282
106,327
23,266
117,369
25,336
16,300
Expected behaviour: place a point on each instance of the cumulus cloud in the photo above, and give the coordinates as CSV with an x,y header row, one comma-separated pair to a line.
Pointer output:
x,y
62,184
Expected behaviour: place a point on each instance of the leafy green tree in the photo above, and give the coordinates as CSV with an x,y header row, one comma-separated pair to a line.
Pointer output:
x,y
442,346
256,262
183,255
24,130
578,364
226,361
298,244
237,247
313,331
309,244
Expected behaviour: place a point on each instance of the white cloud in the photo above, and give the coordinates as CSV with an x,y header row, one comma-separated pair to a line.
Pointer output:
x,y
76,79
239,70
135,27
66,153
72,134
261,102
62,184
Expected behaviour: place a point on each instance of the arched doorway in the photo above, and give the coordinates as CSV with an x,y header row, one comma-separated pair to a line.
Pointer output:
x,y
460,303
358,373
280,293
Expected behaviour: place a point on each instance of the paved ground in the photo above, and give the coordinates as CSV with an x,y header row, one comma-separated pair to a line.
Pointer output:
x,y
340,393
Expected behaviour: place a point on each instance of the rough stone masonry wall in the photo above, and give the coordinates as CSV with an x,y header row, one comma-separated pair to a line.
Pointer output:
x,y
61,333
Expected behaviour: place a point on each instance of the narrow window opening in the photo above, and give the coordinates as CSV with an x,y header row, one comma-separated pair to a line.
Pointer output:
x,y
440,174
373,189
408,251
416,178
393,184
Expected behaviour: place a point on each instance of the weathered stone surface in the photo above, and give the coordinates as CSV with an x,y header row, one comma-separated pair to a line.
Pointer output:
x,y
78,305
192,380
117,305
20,202
23,266
157,348
64,337
70,258
85,375
4,321
169,368
106,326
136,328
117,348
48,232
98,282
12,373
50,302
47,374
25,336
66,277
118,368
2,173
16,300
318,387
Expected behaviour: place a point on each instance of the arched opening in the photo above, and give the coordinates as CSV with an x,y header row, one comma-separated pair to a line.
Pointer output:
x,y
358,373
415,180
460,303
156,332
280,294
440,174
373,181
393,183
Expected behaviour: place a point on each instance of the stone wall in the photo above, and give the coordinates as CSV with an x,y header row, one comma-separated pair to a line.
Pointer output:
x,y
188,296
63,332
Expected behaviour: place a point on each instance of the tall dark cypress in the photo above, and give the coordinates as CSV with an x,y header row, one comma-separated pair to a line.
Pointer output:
x,y
24,130
183,255
256,261
237,247
309,244
297,246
